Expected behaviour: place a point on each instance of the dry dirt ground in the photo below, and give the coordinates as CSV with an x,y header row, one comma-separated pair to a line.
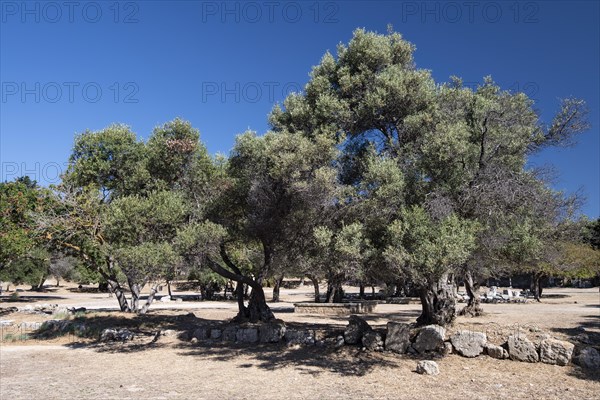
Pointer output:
x,y
69,367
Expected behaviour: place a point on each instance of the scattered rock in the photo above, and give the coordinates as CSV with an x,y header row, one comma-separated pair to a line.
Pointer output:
x,y
469,344
522,349
428,367
496,351
355,330
165,299
397,338
589,358
447,348
430,338
339,342
121,334
373,341
169,332
194,340
557,352
272,332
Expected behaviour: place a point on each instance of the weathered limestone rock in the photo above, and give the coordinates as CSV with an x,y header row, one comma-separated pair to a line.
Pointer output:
x,y
522,349
589,358
247,335
428,367
557,352
272,332
397,338
430,338
496,351
355,330
469,344
372,341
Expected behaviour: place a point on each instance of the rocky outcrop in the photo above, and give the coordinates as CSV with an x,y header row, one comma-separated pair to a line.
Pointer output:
x,y
373,341
430,338
469,344
556,352
427,367
355,330
494,351
397,338
589,358
522,349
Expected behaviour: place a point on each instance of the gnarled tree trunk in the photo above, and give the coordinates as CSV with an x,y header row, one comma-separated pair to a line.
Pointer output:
x,y
536,286
135,296
149,300
315,283
277,287
473,307
257,309
438,303
335,294
113,284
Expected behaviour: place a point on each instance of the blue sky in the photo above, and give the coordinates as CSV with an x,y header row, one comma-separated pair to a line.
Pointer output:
x,y
67,67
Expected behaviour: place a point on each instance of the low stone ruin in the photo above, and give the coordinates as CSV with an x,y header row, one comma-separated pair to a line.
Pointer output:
x,y
403,338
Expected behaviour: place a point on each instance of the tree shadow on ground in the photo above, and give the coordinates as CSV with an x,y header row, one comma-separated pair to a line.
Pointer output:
x,y
29,299
312,360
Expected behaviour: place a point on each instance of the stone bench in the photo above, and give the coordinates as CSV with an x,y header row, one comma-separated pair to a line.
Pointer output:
x,y
336,308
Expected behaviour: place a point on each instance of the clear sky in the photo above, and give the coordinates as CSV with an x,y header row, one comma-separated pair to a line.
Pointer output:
x,y
70,66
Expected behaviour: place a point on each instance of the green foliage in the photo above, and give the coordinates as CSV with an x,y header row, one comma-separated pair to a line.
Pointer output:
x,y
591,234
340,253
424,249
17,200
31,269
111,160
172,149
